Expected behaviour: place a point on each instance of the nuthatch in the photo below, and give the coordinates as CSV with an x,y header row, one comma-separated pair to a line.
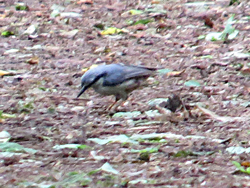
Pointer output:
x,y
115,79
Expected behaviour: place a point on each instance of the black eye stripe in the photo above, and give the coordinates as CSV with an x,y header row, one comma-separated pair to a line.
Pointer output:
x,y
96,79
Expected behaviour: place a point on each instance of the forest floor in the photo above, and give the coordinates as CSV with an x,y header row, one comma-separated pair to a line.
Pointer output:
x,y
51,139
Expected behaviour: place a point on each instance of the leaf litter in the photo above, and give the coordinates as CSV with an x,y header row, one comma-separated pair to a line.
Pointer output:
x,y
61,141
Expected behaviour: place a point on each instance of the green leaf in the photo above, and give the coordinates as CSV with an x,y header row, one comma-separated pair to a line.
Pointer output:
x,y
201,37
84,147
183,154
72,173
43,88
213,36
238,165
233,1
143,21
192,83
149,150
93,172
229,28
7,33
5,116
248,170
164,71
217,36
228,33
71,146
14,147
22,6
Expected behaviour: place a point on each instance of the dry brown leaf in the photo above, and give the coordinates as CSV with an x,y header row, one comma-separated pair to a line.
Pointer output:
x,y
90,2
119,158
221,118
138,27
5,73
245,70
33,60
167,115
245,163
155,2
175,73
139,35
162,26
39,14
208,21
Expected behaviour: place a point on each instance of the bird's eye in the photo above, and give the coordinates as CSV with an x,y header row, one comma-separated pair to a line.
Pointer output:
x,y
82,84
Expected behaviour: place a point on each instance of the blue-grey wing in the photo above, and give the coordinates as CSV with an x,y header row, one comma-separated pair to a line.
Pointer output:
x,y
114,75
117,74
136,72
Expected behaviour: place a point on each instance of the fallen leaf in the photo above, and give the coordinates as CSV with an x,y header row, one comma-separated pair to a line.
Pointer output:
x,y
11,51
31,30
22,6
175,73
91,67
245,71
5,73
33,60
143,21
7,33
135,12
192,83
245,163
221,118
90,2
70,15
113,30
155,2
208,22
108,168
69,34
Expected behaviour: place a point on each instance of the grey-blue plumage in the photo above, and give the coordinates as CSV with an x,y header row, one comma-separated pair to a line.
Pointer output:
x,y
114,79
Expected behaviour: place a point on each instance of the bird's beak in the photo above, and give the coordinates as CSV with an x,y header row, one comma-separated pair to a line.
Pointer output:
x,y
82,91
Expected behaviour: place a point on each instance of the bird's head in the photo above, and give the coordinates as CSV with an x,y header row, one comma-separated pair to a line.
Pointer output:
x,y
90,78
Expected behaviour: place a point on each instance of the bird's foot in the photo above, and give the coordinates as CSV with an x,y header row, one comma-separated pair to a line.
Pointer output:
x,y
113,107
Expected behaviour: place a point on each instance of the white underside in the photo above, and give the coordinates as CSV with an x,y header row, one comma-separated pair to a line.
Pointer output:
x,y
120,90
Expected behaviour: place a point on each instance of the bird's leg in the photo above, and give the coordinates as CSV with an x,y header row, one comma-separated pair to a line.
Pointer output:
x,y
118,101
117,104
111,106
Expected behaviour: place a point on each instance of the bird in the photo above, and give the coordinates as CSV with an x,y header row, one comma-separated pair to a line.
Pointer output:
x,y
115,79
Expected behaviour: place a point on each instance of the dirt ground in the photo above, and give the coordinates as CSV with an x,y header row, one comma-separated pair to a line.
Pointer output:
x,y
56,138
